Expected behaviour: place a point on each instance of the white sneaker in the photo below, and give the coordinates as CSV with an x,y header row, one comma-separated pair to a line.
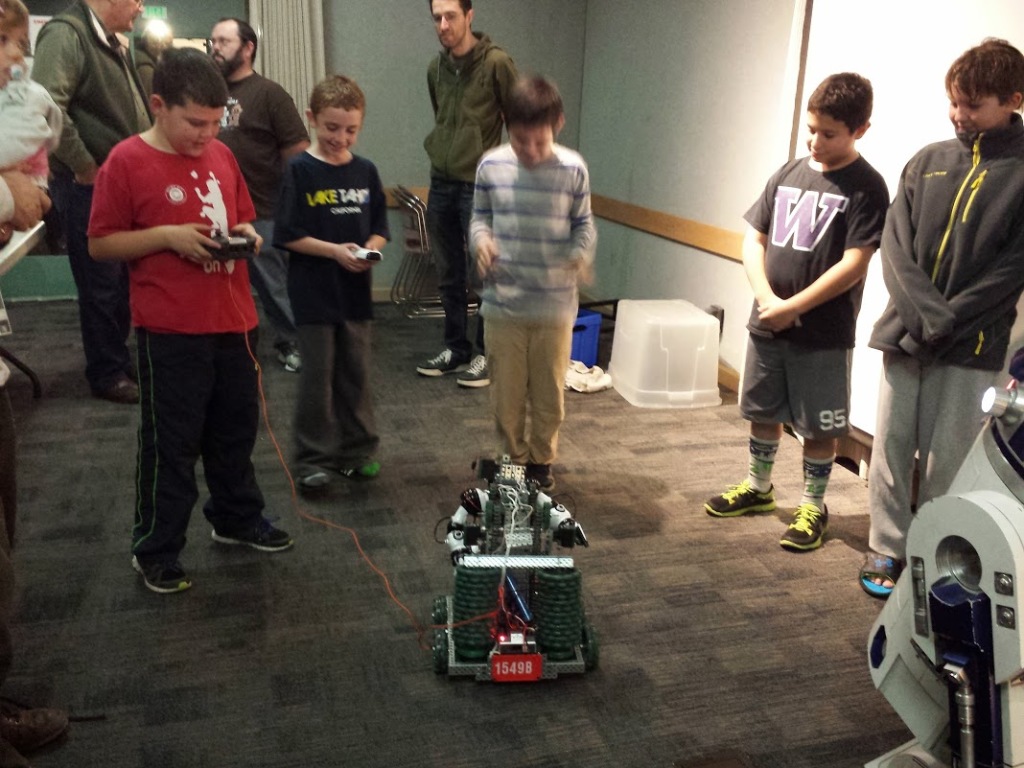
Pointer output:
x,y
580,378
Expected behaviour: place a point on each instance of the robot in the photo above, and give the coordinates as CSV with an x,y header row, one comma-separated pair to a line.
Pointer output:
x,y
516,614
947,650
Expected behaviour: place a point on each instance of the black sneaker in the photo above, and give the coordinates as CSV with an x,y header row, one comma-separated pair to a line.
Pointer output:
x,y
263,536
740,500
162,578
442,363
807,531
541,475
27,729
476,375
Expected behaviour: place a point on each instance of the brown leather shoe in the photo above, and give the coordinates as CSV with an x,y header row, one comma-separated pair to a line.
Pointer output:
x,y
124,391
28,729
11,758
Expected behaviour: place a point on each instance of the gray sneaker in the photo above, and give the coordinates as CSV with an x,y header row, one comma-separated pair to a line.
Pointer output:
x,y
808,529
442,363
314,481
476,375
288,356
741,499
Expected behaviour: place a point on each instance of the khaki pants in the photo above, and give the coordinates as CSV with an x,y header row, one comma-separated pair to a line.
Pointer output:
x,y
527,363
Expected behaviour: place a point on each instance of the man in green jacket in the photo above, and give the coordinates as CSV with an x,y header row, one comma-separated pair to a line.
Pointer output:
x,y
469,84
83,64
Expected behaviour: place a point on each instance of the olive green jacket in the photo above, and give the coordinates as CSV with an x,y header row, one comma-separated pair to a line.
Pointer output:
x,y
97,89
468,96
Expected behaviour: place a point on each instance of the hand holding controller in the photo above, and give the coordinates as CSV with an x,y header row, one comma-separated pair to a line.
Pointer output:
x,y
234,247
367,255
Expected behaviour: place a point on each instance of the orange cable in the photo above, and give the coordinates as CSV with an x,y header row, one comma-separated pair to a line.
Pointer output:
x,y
300,512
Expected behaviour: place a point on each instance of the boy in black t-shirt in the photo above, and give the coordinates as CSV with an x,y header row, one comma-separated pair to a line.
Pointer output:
x,y
331,207
806,251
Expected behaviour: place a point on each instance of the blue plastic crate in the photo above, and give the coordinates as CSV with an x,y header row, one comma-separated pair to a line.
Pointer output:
x,y
585,333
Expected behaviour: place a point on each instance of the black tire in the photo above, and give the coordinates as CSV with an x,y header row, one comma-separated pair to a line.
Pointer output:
x,y
439,612
440,651
589,647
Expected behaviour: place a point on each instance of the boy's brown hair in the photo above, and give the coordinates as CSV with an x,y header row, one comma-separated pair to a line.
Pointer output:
x,y
534,101
994,68
846,97
186,74
337,91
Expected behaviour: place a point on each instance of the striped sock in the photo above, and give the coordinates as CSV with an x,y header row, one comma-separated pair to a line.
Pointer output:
x,y
816,475
762,460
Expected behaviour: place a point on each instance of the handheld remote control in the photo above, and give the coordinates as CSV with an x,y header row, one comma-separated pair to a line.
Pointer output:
x,y
368,255
233,247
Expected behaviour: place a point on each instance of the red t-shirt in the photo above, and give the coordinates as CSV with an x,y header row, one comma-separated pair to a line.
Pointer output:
x,y
139,187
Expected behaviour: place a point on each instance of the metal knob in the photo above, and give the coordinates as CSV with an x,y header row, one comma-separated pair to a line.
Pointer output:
x,y
1002,404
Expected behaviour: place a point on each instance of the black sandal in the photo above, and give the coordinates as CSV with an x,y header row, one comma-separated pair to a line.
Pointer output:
x,y
879,568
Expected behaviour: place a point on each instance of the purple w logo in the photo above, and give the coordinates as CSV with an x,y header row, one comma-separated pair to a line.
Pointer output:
x,y
797,216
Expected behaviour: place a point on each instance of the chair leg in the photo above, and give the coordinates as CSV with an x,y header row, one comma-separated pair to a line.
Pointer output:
x,y
37,388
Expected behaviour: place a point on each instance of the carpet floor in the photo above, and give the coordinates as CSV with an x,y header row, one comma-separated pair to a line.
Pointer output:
x,y
717,647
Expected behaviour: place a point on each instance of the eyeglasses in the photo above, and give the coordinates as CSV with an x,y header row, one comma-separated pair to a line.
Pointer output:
x,y
212,42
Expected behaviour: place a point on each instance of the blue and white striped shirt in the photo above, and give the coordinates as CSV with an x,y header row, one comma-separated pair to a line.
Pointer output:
x,y
541,221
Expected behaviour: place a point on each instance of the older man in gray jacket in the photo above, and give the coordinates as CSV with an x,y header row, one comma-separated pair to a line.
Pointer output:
x,y
82,62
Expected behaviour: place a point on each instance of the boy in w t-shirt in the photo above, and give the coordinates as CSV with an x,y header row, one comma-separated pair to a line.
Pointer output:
x,y
806,251
159,198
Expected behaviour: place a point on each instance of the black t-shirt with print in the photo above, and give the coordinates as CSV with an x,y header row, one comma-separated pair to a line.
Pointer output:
x,y
811,218
339,204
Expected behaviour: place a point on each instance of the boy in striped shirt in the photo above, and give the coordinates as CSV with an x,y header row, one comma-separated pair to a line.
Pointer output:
x,y
534,239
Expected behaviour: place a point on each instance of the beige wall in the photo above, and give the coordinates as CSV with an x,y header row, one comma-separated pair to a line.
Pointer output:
x,y
687,109
386,46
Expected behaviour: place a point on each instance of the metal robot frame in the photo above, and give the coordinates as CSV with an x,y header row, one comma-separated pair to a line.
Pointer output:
x,y
516,614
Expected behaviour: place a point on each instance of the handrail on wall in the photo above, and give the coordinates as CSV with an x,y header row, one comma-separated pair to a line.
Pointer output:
x,y
705,237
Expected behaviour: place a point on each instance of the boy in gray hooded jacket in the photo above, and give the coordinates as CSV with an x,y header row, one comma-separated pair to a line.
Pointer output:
x,y
953,261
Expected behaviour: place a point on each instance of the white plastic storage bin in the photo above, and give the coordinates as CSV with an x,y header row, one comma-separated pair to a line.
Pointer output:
x,y
665,354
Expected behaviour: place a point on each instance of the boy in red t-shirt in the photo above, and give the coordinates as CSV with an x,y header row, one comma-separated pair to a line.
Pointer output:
x,y
160,199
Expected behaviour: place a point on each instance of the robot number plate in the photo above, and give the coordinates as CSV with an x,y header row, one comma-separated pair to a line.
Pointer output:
x,y
516,667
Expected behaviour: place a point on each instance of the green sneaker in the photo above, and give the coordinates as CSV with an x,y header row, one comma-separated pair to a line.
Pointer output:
x,y
367,471
739,500
807,530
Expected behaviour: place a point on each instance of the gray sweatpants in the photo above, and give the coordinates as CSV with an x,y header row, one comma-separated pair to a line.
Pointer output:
x,y
335,427
932,412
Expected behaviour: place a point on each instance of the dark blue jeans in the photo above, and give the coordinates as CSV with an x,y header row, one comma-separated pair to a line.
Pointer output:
x,y
449,208
104,315
268,273
200,397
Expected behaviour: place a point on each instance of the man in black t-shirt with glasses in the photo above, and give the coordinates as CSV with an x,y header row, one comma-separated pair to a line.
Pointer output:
x,y
263,128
